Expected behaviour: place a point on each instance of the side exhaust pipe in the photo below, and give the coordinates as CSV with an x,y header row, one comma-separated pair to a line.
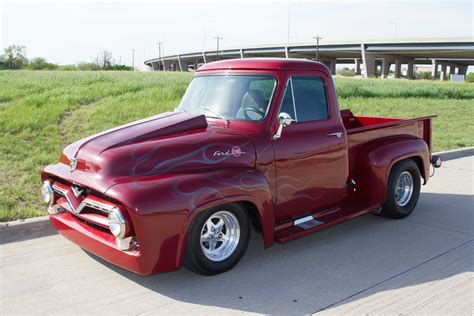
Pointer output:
x,y
436,161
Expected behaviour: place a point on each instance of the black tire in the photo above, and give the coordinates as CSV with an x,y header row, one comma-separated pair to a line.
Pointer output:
x,y
391,208
197,261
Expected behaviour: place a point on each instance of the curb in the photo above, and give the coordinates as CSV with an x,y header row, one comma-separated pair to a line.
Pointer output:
x,y
25,229
456,153
40,227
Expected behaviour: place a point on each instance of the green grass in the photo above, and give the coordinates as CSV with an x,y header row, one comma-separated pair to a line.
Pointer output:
x,y
41,112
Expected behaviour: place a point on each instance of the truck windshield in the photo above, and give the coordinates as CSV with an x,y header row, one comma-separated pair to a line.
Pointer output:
x,y
239,97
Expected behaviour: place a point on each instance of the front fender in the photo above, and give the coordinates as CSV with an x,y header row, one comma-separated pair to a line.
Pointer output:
x,y
383,158
162,208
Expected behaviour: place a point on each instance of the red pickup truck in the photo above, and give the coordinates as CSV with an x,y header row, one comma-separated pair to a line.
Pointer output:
x,y
254,143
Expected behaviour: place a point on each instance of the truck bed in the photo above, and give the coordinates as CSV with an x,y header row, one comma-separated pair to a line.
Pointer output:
x,y
367,128
362,130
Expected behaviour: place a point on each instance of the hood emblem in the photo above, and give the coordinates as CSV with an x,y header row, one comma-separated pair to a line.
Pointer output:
x,y
77,191
73,165
235,151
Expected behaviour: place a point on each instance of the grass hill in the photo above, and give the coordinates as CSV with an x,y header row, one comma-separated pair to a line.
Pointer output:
x,y
42,111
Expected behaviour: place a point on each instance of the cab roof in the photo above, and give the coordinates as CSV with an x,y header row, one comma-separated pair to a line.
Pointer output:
x,y
264,64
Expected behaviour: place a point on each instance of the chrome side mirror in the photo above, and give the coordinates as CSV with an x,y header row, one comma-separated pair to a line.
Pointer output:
x,y
284,119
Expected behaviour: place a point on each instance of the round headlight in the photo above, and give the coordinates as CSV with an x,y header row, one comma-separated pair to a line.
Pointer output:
x,y
117,224
47,192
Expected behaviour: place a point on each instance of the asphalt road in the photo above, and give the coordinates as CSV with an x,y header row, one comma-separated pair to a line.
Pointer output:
x,y
422,264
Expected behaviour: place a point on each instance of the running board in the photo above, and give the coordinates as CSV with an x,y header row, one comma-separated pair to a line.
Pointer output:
x,y
307,225
307,222
299,227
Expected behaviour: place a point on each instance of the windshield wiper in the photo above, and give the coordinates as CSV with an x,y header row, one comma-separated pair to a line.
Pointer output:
x,y
226,121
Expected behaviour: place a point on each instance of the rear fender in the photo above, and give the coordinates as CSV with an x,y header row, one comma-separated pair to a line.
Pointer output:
x,y
381,160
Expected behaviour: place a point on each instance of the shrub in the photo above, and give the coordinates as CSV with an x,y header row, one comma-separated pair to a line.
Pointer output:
x,y
423,75
470,77
40,63
87,66
68,67
121,67
347,72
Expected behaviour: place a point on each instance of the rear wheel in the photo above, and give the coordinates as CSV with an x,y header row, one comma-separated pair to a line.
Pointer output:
x,y
217,239
403,190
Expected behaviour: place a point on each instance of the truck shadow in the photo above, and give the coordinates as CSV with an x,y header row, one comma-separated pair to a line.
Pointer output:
x,y
366,256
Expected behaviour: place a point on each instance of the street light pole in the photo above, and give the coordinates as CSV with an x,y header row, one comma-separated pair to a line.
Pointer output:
x,y
159,49
217,48
133,58
289,20
317,38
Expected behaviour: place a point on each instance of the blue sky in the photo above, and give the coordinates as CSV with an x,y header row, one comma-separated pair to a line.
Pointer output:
x,y
71,31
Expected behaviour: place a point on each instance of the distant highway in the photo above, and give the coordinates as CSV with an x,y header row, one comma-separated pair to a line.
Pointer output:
x,y
443,54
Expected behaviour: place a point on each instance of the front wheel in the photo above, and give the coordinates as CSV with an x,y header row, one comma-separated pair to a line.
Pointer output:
x,y
217,239
403,190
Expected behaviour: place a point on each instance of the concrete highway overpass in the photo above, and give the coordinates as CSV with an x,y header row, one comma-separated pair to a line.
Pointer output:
x,y
453,55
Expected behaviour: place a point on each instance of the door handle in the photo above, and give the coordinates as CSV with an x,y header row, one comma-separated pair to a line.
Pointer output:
x,y
337,134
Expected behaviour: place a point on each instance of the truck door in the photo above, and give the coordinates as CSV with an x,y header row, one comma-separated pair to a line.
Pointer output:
x,y
311,156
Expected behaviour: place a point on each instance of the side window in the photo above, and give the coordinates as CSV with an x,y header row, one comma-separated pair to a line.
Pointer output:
x,y
308,96
287,104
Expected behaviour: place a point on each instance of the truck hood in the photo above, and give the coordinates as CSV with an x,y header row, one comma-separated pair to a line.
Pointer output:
x,y
162,144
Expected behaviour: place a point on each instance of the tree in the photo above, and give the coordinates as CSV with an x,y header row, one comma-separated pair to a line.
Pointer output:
x,y
15,57
40,63
104,60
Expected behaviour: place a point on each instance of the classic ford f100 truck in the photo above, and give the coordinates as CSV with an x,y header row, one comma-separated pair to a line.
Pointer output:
x,y
254,143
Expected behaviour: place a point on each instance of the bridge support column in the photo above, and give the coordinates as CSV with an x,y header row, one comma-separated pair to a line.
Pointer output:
x,y
155,66
462,70
385,67
332,66
398,69
183,65
442,75
369,62
166,65
434,69
357,67
449,70
410,73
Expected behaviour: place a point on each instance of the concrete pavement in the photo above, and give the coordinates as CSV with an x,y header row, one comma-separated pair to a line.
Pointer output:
x,y
422,264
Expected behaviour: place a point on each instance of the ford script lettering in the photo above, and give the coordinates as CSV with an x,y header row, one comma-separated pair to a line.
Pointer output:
x,y
235,151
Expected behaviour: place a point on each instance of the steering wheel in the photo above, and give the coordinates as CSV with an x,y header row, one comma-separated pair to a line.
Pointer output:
x,y
254,110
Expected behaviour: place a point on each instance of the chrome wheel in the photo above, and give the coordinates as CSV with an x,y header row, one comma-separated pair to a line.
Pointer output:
x,y
404,188
220,236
